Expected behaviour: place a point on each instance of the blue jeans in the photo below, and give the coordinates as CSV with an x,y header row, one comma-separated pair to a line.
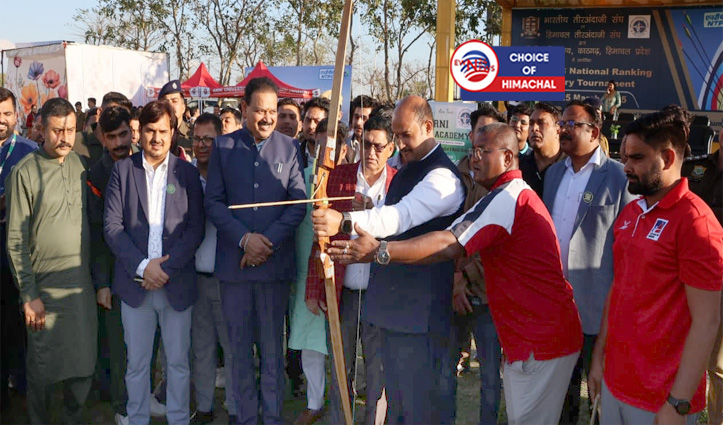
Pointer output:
x,y
489,357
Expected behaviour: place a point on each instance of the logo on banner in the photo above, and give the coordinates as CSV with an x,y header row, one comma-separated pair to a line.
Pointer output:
x,y
464,118
657,229
531,27
639,26
474,65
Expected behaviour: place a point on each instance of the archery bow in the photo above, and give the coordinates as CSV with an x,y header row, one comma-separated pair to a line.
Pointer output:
x,y
326,162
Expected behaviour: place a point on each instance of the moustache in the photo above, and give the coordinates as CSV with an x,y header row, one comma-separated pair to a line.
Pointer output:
x,y
121,149
64,145
632,177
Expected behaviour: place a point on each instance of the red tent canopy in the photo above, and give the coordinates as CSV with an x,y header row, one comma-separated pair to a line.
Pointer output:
x,y
200,84
285,90
201,78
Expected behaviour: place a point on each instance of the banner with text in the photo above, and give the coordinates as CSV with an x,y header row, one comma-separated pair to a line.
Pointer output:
x,y
515,73
452,127
657,56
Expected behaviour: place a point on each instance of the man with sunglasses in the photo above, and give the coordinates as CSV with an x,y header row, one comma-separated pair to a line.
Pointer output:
x,y
584,194
369,181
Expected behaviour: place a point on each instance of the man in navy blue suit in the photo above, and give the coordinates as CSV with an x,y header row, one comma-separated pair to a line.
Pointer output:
x,y
255,259
154,222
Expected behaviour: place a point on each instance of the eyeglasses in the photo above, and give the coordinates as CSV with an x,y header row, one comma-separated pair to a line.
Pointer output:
x,y
477,153
377,148
574,124
207,140
514,120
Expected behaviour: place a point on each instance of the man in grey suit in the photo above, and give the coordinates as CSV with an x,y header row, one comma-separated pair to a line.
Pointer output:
x,y
584,194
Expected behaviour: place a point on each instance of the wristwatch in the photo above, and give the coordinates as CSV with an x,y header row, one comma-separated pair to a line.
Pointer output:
x,y
681,406
382,257
346,226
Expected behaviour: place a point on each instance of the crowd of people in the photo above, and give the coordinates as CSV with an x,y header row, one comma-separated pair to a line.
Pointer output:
x,y
134,237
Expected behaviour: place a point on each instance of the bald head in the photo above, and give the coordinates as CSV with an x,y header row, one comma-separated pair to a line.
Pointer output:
x,y
413,127
416,107
495,152
501,135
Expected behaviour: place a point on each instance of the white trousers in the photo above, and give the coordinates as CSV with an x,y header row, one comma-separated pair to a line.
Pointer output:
x,y
535,390
314,365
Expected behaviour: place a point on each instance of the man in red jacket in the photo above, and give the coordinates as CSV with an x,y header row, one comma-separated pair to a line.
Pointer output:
x,y
368,180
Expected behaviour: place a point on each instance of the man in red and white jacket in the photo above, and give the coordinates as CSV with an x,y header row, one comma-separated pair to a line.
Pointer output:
x,y
530,300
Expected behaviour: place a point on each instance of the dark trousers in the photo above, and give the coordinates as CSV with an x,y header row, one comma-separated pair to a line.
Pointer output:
x,y
75,393
255,314
371,339
419,376
488,355
571,408
112,354
12,336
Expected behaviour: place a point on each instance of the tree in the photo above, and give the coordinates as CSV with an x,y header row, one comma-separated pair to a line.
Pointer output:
x,y
313,25
95,27
397,25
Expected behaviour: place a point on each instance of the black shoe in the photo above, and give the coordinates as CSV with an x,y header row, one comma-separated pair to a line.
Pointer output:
x,y
232,420
200,418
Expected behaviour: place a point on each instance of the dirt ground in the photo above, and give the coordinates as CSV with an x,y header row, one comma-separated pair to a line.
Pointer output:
x,y
99,412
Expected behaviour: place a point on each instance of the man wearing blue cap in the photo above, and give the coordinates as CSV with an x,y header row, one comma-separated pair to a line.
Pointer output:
x,y
173,93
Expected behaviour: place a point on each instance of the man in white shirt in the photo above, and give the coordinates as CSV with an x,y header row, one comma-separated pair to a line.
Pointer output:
x,y
412,305
584,194
368,180
153,224
209,327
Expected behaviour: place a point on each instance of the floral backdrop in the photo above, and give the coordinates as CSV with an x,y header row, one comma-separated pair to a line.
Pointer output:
x,y
34,80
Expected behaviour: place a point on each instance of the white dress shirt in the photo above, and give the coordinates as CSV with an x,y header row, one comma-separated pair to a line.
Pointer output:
x,y
156,186
439,194
357,275
567,201
206,253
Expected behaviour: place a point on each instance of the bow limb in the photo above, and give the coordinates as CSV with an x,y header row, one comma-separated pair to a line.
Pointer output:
x,y
326,162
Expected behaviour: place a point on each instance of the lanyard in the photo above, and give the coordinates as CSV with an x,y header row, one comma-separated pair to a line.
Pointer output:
x,y
7,155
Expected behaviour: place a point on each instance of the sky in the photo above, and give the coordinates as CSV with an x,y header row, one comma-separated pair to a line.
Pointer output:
x,y
40,20
51,20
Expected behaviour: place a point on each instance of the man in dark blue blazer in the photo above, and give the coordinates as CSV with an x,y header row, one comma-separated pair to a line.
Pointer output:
x,y
255,259
154,222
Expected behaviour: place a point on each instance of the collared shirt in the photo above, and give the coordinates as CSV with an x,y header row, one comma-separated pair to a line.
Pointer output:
x,y
659,250
530,301
206,253
357,275
156,182
440,193
524,150
567,201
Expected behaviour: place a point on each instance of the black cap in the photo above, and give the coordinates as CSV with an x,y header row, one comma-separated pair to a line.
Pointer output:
x,y
593,101
173,86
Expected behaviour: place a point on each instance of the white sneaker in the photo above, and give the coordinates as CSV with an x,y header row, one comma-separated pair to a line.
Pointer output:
x,y
158,410
121,420
220,377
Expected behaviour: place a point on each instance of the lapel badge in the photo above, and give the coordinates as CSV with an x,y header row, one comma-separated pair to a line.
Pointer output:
x,y
171,189
587,197
698,172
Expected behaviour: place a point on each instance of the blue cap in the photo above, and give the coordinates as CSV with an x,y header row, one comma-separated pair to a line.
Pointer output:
x,y
173,86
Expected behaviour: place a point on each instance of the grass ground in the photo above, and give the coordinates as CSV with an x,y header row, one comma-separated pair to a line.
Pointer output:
x,y
100,412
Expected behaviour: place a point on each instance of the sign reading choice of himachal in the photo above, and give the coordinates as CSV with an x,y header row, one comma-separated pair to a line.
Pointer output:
x,y
484,73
